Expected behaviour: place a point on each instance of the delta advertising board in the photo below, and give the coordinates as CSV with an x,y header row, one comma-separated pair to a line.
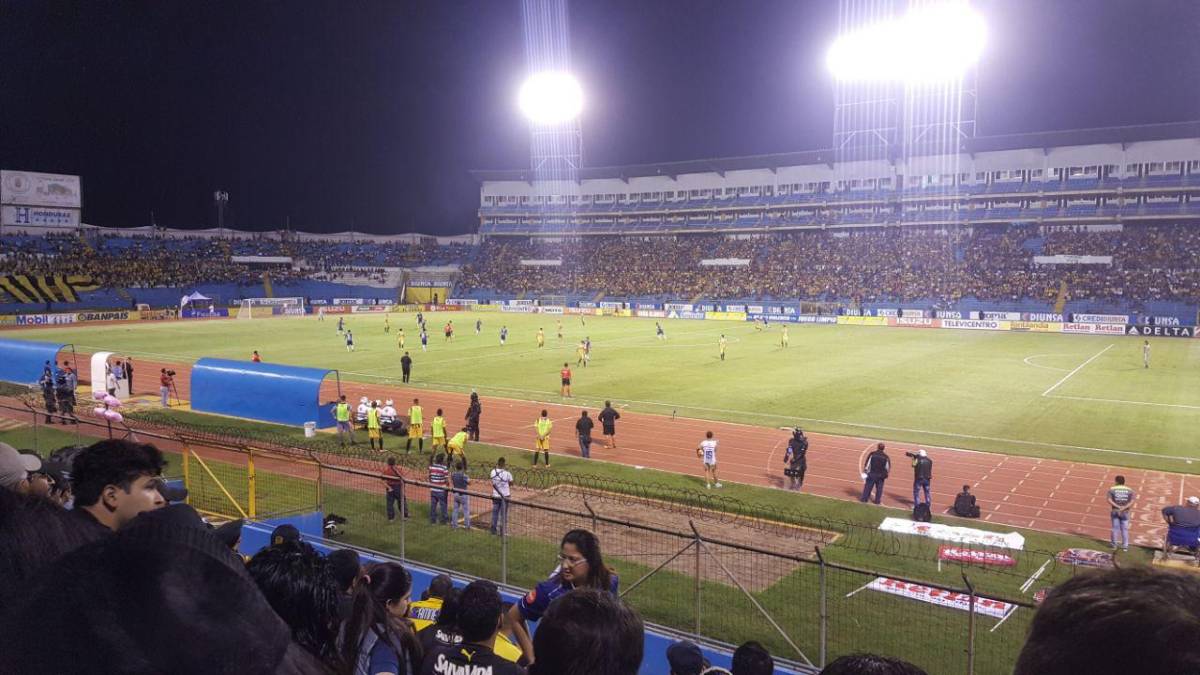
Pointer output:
x,y
1162,331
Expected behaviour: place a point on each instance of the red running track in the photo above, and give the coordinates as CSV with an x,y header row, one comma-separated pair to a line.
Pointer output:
x,y
1041,494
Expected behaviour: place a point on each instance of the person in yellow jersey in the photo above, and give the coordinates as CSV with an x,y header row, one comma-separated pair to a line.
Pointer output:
x,y
434,632
415,428
579,352
722,343
458,445
341,415
541,338
387,325
374,427
438,428
559,329
783,337
542,443
400,338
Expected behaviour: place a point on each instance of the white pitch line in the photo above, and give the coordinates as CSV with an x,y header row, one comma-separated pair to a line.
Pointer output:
x,y
1027,362
1077,369
1117,400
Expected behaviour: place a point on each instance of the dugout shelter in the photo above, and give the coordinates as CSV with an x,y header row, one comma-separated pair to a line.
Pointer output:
x,y
22,361
267,392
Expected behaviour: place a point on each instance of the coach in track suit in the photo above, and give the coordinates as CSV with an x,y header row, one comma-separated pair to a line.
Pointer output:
x,y
876,468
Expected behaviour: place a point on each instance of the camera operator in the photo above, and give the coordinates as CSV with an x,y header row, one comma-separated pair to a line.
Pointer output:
x,y
65,392
922,474
166,382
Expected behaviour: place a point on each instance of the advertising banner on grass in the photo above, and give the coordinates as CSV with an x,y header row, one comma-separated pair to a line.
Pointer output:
x,y
652,313
913,313
968,324
936,596
611,305
910,322
344,301
677,307
960,535
554,309
519,309
685,315
486,308
1162,331
884,312
1053,317
815,318
725,316
1002,316
359,309
773,318
1085,557
462,301
945,314
972,556
337,309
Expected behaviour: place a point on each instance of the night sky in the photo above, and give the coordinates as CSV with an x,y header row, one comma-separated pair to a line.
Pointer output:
x,y
369,115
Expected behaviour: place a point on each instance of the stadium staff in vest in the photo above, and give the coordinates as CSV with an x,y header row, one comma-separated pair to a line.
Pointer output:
x,y
341,414
374,428
875,472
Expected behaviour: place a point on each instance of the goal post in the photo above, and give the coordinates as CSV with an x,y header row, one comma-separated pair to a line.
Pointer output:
x,y
261,308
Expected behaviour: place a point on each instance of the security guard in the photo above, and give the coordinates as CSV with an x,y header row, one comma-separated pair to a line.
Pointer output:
x,y
341,414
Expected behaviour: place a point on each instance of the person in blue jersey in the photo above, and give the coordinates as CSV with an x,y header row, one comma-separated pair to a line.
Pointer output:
x,y
580,565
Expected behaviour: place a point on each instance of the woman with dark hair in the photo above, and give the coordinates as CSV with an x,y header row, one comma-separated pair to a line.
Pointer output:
x,y
299,584
580,565
377,637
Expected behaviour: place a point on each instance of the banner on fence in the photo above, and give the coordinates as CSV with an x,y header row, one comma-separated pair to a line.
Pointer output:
x,y
910,322
358,309
1002,316
462,301
519,303
122,315
1099,318
487,308
1052,317
948,314
612,305
974,556
217,312
157,314
519,309
683,314
773,318
44,319
814,318
677,307
725,316
1036,326
997,609
588,311
862,320
335,309
959,535
1162,331
1094,328
349,301
913,313
652,313
969,324
554,309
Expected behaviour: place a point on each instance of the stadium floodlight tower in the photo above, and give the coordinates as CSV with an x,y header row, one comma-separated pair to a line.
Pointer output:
x,y
906,85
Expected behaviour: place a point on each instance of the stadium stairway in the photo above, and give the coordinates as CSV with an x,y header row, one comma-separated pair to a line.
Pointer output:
x,y
1061,301
268,290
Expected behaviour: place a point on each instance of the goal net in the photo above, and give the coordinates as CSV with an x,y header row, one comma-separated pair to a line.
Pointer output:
x,y
261,308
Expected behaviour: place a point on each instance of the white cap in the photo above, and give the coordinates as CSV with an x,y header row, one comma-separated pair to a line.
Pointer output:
x,y
389,402
14,466
1193,500
363,399
921,452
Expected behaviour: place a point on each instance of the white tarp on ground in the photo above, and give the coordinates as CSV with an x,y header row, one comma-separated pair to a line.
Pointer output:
x,y
958,535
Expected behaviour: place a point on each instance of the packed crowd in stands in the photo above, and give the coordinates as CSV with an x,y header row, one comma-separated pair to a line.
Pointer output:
x,y
1155,262
104,570
992,264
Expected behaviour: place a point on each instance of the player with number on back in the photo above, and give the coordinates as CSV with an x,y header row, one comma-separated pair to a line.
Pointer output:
x,y
707,452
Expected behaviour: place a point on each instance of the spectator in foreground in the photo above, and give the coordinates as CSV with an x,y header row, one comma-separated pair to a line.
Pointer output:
x,y
479,623
430,605
752,659
1133,620
444,631
588,631
298,584
347,574
378,639
115,480
685,658
35,532
870,664
17,470
161,595
580,565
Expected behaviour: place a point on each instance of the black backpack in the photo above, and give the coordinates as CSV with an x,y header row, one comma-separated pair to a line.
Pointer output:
x,y
921,513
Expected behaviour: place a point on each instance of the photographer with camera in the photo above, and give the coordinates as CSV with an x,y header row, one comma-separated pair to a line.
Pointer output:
x,y
166,382
922,474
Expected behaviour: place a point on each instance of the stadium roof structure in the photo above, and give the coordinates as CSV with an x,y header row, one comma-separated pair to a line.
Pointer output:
x,y
1042,139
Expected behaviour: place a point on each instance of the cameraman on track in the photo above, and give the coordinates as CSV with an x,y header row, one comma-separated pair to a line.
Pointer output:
x,y
166,383
922,474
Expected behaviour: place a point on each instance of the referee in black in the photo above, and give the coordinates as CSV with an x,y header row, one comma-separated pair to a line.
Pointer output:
x,y
405,367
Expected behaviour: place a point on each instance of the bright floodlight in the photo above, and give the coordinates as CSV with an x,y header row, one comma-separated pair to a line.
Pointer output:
x,y
932,44
551,98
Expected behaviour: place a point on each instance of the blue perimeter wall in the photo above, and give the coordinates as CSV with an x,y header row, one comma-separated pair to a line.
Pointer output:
x,y
269,392
256,535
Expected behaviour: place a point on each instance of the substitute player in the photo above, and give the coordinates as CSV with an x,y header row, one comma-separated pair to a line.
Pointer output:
x,y
707,452
722,344
542,443
400,338
541,338
438,429
458,446
565,373
415,428
1145,353
783,337
374,426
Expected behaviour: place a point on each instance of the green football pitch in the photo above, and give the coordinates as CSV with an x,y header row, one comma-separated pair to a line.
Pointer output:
x,y
1081,397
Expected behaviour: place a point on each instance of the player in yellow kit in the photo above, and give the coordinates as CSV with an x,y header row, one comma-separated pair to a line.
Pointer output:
x,y
783,337
722,343
541,338
438,428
